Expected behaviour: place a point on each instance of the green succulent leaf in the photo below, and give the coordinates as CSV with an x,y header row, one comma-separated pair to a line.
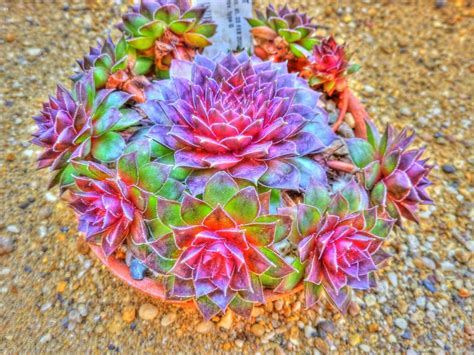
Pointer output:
x,y
206,29
378,195
142,65
280,268
254,22
108,147
298,50
309,43
290,35
293,279
338,206
219,189
156,227
371,174
120,65
171,189
277,23
121,48
141,43
382,227
182,26
243,206
169,212
152,176
196,40
167,13
307,219
317,195
361,152
194,210
282,227
114,100
127,168
196,13
373,136
133,21
153,29
128,118
390,162
100,76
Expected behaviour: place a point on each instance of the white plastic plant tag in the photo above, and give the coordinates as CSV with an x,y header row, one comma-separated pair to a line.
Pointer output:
x,y
233,31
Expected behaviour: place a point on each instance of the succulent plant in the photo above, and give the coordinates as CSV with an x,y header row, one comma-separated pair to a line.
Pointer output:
x,y
339,243
113,205
219,178
81,124
282,35
162,30
396,177
241,115
328,67
216,248
116,67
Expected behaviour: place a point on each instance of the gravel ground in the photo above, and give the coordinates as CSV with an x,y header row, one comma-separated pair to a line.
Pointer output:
x,y
418,70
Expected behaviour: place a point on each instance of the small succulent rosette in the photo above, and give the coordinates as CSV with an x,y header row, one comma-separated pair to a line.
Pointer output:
x,y
223,180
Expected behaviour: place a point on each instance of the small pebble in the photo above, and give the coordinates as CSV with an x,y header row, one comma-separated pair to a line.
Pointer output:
x,y
354,308
429,285
13,229
310,332
128,314
354,339
148,311
370,300
226,321
405,111
45,338
205,327
429,263
34,52
168,319
448,168
401,323
6,245
74,316
257,329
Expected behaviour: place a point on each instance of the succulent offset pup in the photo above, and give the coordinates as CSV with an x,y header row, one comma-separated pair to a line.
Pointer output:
x,y
283,35
217,178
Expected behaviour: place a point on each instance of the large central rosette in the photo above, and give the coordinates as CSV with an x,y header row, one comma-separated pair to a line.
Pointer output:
x,y
218,248
242,115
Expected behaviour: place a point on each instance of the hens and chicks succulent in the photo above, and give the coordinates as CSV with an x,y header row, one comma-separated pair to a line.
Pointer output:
x,y
215,174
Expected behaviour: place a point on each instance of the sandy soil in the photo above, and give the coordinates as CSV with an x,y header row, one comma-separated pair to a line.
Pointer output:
x,y
418,70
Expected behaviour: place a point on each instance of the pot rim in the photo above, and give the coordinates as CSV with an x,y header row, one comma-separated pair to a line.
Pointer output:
x,y
155,288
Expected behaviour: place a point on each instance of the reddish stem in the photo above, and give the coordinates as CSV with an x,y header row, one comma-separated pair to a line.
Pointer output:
x,y
359,113
341,166
342,104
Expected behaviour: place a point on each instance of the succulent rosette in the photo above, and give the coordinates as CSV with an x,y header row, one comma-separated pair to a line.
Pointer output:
x,y
282,34
339,240
395,175
328,67
81,124
215,249
162,30
113,205
239,114
116,67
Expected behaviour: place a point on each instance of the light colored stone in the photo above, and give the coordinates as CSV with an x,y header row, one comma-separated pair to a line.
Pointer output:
x,y
168,319
148,311
205,327
257,329
401,323
226,320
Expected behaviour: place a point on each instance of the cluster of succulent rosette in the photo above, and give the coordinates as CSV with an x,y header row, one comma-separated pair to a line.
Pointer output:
x,y
220,175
